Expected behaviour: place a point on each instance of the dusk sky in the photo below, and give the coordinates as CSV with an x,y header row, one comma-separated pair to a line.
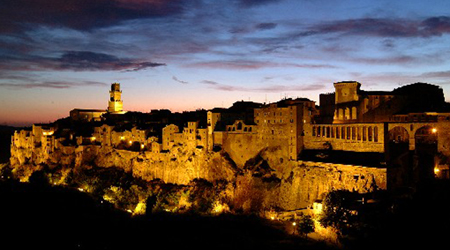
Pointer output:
x,y
184,55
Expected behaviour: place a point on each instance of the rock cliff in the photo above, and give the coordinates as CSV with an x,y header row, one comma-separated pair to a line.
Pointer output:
x,y
268,181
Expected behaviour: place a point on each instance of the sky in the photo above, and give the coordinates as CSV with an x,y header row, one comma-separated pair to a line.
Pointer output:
x,y
186,55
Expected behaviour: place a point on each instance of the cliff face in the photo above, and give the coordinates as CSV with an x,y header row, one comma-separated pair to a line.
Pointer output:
x,y
179,166
264,182
304,182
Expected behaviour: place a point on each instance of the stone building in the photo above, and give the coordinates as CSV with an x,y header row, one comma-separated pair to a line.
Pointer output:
x,y
282,124
405,129
115,106
115,103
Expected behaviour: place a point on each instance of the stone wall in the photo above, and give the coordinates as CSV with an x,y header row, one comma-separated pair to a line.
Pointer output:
x,y
304,182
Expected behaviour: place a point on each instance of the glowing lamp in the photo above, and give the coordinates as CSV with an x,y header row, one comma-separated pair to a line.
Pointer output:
x,y
93,138
142,146
433,130
436,170
130,142
122,138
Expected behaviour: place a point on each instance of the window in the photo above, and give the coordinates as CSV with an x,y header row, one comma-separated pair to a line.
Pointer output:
x,y
369,133
375,134
348,133
364,133
337,133
353,133
318,131
313,131
359,133
328,132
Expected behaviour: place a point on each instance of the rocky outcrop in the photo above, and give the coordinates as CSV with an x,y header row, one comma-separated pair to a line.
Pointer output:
x,y
274,182
304,182
178,166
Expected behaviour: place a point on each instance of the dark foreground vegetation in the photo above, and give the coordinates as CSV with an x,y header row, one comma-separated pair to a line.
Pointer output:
x,y
399,219
37,216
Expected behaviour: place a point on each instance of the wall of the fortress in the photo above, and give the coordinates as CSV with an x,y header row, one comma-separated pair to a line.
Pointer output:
x,y
242,147
304,182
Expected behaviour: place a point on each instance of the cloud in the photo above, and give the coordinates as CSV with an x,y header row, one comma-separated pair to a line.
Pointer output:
x,y
209,82
253,3
266,26
177,80
269,88
383,27
253,65
437,74
51,84
81,14
76,61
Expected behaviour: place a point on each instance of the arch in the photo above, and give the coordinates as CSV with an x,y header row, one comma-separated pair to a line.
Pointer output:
x,y
426,141
399,155
239,126
398,134
426,135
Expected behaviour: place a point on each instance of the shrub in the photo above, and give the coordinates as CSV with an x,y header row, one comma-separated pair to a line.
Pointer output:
x,y
306,225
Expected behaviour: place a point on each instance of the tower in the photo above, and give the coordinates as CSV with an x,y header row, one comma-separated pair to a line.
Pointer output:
x,y
115,103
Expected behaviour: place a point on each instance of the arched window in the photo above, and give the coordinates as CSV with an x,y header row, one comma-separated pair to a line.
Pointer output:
x,y
347,114
354,113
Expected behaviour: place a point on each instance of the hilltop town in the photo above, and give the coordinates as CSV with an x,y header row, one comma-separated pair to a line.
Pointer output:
x,y
354,140
258,157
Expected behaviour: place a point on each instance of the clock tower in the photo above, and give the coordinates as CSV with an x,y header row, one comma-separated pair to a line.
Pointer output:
x,y
115,103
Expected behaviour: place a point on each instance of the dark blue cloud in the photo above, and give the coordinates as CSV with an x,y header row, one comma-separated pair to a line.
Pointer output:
x,y
76,61
384,27
251,3
16,15
50,84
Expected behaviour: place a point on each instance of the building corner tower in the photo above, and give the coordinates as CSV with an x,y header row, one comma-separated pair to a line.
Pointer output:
x,y
115,103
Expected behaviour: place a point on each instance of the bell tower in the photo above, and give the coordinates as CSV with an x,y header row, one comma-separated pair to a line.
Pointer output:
x,y
115,103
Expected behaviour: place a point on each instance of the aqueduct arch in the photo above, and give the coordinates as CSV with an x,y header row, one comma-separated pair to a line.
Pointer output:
x,y
412,128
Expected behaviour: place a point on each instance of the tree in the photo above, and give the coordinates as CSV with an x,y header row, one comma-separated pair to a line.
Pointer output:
x,y
336,212
305,225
